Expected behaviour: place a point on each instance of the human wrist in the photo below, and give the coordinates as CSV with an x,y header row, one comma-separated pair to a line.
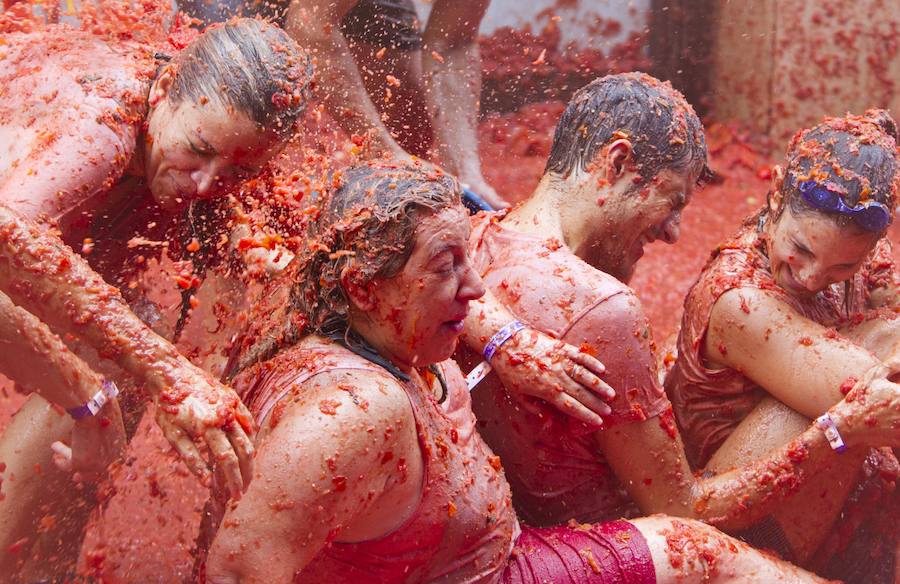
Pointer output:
x,y
835,429
96,402
502,337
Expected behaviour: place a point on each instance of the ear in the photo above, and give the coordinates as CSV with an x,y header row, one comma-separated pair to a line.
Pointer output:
x,y
776,198
618,154
163,84
362,297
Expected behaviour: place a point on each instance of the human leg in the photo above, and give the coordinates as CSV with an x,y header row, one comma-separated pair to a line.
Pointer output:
x,y
400,102
690,551
32,485
802,524
649,550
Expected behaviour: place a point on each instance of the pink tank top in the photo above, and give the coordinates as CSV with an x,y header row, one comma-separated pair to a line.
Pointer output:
x,y
709,403
463,527
553,463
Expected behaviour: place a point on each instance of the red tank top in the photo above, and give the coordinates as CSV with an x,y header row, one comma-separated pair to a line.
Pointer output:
x,y
553,463
463,527
709,403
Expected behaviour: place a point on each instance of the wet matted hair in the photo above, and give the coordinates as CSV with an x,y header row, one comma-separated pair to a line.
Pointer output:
x,y
855,156
663,128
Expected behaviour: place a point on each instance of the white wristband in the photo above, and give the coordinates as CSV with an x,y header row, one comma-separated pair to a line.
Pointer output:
x,y
827,425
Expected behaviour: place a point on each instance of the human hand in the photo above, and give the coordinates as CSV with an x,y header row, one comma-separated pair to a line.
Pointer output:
x,y
198,409
870,414
97,441
537,365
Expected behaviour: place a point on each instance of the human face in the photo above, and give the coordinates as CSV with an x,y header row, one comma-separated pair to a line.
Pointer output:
x,y
810,251
417,315
647,213
201,151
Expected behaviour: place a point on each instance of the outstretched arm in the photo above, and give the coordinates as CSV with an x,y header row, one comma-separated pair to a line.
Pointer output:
x,y
648,458
37,359
45,277
451,67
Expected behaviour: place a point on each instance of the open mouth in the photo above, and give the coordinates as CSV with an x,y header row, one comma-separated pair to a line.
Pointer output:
x,y
790,283
457,323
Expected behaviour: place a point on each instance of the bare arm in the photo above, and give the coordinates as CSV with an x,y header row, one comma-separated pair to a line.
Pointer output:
x,y
44,276
37,359
320,475
648,458
314,24
451,67
535,364
798,361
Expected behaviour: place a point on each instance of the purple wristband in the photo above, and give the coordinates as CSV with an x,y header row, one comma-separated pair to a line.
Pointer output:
x,y
827,425
108,391
503,335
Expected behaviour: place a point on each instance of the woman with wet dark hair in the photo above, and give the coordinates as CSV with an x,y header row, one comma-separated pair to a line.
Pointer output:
x,y
104,142
370,466
412,86
791,316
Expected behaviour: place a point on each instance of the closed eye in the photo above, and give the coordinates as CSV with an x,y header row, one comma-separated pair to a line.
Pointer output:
x,y
802,249
247,172
443,261
199,150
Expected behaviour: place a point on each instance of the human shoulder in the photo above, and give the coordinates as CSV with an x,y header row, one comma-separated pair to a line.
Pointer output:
x,y
76,118
340,388
608,300
322,470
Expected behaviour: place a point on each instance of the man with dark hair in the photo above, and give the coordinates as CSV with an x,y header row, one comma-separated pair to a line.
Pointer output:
x,y
626,156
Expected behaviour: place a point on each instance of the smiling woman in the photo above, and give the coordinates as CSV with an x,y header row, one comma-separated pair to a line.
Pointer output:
x,y
795,312
105,141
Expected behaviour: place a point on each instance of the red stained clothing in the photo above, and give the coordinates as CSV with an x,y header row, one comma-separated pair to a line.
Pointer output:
x,y
709,403
472,541
464,526
553,463
614,552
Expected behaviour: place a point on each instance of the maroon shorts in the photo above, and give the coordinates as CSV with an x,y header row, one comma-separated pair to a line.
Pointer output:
x,y
614,552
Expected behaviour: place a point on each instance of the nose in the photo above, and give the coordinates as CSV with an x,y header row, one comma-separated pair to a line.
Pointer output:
x,y
203,179
671,230
471,287
811,277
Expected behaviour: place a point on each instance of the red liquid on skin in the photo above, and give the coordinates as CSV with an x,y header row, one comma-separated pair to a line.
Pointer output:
x,y
148,527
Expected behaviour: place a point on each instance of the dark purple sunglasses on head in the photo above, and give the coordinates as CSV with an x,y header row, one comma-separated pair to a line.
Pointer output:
x,y
871,216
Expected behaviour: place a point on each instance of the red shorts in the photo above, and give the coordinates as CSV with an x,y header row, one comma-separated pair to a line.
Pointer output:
x,y
614,552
